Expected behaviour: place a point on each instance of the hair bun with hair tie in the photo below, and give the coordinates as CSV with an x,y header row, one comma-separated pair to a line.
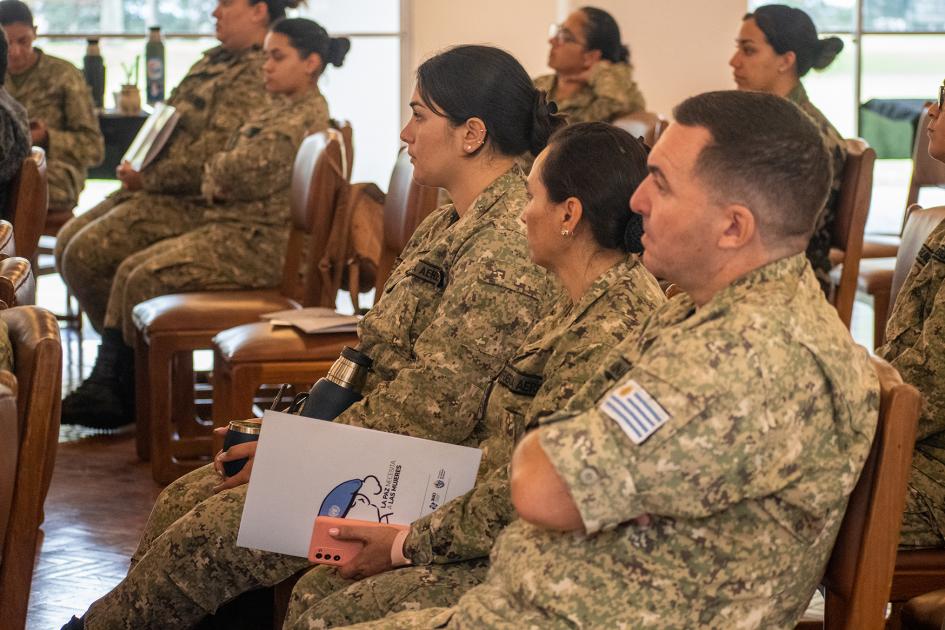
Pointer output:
x,y
552,108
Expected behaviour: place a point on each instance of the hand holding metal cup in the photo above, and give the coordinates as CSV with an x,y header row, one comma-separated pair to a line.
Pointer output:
x,y
239,432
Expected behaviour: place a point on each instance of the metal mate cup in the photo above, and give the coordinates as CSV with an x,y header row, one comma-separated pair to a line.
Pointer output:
x,y
238,432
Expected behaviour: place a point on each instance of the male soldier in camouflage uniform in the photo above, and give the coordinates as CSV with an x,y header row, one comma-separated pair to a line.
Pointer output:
x,y
460,300
818,251
706,488
246,221
220,93
915,346
14,133
589,84
59,105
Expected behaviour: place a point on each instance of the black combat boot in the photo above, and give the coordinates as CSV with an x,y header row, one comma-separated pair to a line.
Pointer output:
x,y
106,399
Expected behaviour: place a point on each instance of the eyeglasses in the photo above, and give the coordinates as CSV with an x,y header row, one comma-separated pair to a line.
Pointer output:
x,y
559,33
941,96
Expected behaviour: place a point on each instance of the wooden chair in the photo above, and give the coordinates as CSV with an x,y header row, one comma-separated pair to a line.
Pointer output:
x,y
846,243
171,327
877,279
34,333
347,146
860,569
248,356
646,125
925,612
29,202
17,284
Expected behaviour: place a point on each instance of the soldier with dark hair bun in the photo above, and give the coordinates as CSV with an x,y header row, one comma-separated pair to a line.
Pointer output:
x,y
593,79
776,46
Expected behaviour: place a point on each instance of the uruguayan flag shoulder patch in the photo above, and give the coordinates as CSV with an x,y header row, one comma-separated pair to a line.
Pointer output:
x,y
635,411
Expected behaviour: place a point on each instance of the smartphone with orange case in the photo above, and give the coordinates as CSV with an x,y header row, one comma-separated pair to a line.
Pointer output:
x,y
326,549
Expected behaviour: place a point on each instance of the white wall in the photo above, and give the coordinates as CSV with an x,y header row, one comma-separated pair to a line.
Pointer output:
x,y
679,47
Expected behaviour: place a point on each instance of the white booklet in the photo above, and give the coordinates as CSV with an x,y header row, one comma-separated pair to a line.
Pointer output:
x,y
152,136
314,320
306,468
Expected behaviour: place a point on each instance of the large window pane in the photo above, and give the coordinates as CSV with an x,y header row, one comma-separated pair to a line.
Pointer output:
x,y
123,16
902,66
904,15
832,90
828,15
355,16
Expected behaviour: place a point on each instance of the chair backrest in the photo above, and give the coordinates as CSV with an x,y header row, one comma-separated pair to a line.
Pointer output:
x,y
347,145
926,170
646,125
29,202
17,283
7,242
37,351
317,184
859,573
919,224
407,204
853,206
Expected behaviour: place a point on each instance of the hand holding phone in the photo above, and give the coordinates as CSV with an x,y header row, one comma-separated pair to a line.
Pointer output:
x,y
327,549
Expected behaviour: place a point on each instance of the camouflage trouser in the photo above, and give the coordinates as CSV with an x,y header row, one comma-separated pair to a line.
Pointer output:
x,y
64,185
323,599
410,620
127,224
923,524
187,563
214,257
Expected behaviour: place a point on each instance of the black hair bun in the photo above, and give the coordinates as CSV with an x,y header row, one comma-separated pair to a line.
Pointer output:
x,y
338,48
545,120
827,50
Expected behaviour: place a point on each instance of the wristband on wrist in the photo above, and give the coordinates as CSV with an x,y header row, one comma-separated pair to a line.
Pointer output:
x,y
397,557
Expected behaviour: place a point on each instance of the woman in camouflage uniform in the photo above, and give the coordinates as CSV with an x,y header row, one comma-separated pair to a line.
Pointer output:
x,y
776,46
456,306
215,100
593,78
581,229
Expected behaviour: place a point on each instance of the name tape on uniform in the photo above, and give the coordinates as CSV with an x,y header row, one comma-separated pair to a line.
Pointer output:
x,y
635,411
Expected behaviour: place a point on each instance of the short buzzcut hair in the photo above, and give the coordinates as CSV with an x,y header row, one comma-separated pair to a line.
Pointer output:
x,y
15,12
765,154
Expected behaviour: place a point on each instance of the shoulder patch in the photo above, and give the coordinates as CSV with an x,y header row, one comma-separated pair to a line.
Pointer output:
x,y
635,411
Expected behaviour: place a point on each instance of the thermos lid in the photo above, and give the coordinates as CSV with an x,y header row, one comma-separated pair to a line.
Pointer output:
x,y
250,427
154,28
92,40
357,357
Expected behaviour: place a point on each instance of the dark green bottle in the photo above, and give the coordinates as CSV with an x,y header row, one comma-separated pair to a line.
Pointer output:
x,y
93,66
154,62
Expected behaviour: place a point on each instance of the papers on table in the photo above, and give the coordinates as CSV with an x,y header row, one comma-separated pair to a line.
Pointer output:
x,y
314,320
152,136
306,467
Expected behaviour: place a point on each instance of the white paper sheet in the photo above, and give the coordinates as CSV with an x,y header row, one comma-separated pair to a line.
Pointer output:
x,y
304,466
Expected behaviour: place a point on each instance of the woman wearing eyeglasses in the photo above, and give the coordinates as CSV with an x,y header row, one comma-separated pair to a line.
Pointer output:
x,y
776,46
593,79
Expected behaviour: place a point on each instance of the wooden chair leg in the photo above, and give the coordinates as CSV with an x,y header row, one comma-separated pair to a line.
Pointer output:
x,y
142,398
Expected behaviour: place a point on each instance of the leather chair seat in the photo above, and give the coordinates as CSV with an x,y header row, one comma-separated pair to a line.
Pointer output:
x,y
260,342
207,310
925,612
876,275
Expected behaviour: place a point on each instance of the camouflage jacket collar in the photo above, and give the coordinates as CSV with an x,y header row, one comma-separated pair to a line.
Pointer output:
x,y
500,186
219,54
600,287
20,79
798,95
780,276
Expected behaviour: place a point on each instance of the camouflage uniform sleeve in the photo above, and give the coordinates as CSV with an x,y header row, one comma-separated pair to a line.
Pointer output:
x,y
710,454
488,305
615,92
466,527
80,141
180,169
918,350
16,145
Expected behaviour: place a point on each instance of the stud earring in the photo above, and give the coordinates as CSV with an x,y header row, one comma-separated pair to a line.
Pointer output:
x,y
565,232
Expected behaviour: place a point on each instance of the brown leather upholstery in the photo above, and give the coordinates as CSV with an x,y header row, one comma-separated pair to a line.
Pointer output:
x,y
9,450
171,327
7,242
347,146
646,125
17,284
860,568
34,334
925,612
847,237
252,355
29,202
